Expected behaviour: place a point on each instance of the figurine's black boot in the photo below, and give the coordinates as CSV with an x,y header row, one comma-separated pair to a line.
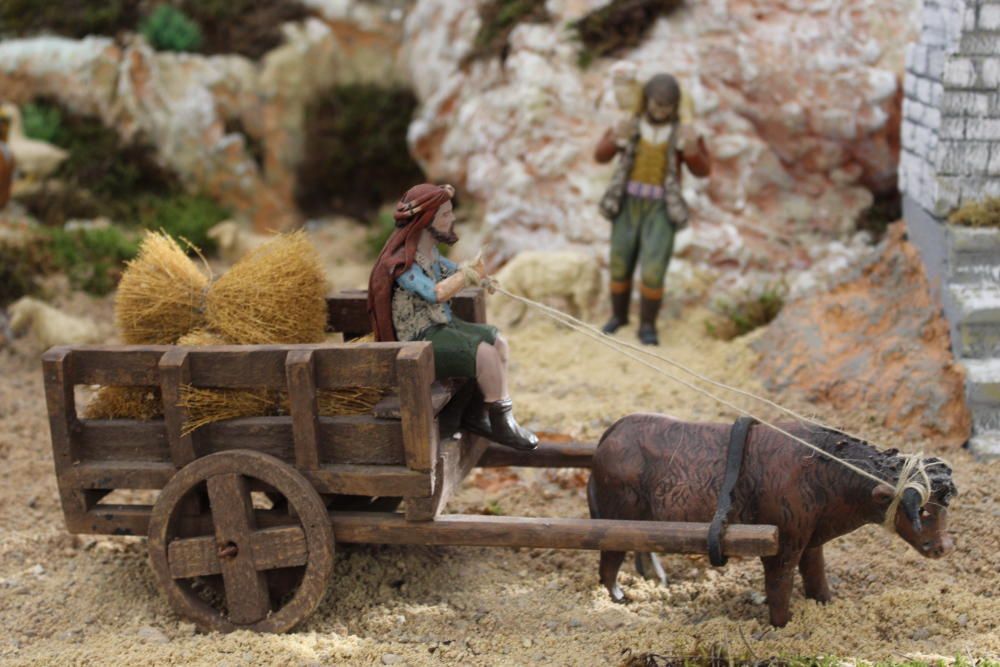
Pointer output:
x,y
505,429
648,310
476,418
619,310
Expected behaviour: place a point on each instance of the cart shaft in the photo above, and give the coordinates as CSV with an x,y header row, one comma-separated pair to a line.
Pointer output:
x,y
548,533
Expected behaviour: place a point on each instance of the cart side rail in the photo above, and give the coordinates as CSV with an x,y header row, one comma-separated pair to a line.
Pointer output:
x,y
355,455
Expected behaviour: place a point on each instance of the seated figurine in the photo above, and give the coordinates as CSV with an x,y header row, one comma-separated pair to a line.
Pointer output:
x,y
409,291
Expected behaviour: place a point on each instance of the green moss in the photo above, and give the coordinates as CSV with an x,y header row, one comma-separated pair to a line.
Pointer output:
x,y
183,217
356,152
93,259
69,18
246,27
617,26
21,265
742,314
497,19
983,213
125,182
42,122
169,29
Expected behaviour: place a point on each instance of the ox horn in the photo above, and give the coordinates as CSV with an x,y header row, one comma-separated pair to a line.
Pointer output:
x,y
911,507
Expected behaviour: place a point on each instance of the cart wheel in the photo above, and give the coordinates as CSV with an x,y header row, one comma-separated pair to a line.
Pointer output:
x,y
186,560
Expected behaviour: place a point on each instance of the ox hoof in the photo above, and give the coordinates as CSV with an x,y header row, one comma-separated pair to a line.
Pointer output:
x,y
617,596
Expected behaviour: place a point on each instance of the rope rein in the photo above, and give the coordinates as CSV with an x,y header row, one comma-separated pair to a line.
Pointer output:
x,y
912,476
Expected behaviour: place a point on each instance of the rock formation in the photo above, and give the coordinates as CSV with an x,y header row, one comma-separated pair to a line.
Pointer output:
x,y
877,342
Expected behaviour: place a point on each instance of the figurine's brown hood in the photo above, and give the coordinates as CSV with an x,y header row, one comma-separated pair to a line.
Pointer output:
x,y
414,213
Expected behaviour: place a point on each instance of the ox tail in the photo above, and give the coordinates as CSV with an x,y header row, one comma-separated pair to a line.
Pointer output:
x,y
595,512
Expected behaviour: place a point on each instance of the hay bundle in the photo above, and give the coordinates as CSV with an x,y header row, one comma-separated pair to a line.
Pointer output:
x,y
276,294
202,337
161,294
142,403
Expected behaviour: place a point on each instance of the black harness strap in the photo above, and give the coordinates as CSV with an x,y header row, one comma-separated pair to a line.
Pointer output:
x,y
734,462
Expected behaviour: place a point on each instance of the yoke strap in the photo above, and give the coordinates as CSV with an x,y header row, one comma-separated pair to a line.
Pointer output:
x,y
734,463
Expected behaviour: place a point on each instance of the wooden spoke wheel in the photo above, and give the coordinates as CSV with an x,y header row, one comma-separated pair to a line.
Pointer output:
x,y
226,546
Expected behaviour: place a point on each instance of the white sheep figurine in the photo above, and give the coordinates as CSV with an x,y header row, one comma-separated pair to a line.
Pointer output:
x,y
567,277
233,241
47,326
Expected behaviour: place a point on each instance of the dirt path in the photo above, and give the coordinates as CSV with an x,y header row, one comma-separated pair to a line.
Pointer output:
x,y
92,600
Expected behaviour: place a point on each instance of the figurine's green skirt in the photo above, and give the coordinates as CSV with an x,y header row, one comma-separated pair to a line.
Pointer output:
x,y
455,346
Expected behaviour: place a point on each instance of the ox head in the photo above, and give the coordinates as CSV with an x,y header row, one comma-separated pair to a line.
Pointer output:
x,y
924,527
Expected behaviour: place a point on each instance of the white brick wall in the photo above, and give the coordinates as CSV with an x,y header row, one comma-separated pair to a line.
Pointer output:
x,y
951,108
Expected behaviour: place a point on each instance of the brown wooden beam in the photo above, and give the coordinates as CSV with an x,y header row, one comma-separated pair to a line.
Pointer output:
x,y
544,533
547,455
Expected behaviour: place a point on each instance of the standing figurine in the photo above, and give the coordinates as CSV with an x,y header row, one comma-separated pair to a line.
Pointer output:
x,y
7,163
408,294
644,200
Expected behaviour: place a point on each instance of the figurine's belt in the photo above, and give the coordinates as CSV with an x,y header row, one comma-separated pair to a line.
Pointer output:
x,y
644,190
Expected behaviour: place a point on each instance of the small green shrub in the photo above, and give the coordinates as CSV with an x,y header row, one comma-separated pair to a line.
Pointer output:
x,y
169,29
983,213
42,122
744,313
21,265
356,154
619,25
184,217
885,210
93,259
497,19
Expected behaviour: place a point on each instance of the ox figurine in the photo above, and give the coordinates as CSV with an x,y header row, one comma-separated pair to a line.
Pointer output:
x,y
653,467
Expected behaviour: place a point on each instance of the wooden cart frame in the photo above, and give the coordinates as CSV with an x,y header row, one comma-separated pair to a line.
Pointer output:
x,y
330,478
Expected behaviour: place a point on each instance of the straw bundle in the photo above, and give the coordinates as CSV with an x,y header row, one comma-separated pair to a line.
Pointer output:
x,y
202,337
142,403
161,294
276,294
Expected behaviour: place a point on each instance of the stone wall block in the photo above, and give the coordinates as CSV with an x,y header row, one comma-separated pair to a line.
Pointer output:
x,y
960,73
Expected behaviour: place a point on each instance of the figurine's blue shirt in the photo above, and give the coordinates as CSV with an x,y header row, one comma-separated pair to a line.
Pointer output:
x,y
418,281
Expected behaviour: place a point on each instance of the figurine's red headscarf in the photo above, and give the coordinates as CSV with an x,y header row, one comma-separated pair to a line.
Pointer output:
x,y
414,213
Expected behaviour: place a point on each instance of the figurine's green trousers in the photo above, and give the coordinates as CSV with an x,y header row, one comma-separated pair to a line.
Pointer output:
x,y
643,234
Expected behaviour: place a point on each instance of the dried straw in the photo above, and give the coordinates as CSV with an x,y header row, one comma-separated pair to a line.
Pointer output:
x,y
202,337
160,296
206,406
276,294
142,403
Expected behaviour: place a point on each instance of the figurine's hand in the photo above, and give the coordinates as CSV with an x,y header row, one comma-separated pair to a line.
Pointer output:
x,y
624,129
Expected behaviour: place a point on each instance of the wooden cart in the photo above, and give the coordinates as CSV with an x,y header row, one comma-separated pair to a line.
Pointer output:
x,y
243,530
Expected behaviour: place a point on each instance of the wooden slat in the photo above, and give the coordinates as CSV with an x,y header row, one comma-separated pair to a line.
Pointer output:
x,y
441,393
348,310
125,365
359,480
247,597
122,440
58,367
415,369
545,533
357,439
301,374
546,455
175,371
457,457
272,548
120,475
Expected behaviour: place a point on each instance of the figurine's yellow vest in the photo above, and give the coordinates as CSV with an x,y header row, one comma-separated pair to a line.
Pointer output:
x,y
650,164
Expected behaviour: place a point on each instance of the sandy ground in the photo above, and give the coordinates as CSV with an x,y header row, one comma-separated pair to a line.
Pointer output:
x,y
93,601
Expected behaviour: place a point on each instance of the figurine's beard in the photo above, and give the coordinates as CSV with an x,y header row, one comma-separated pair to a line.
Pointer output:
x,y
448,238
